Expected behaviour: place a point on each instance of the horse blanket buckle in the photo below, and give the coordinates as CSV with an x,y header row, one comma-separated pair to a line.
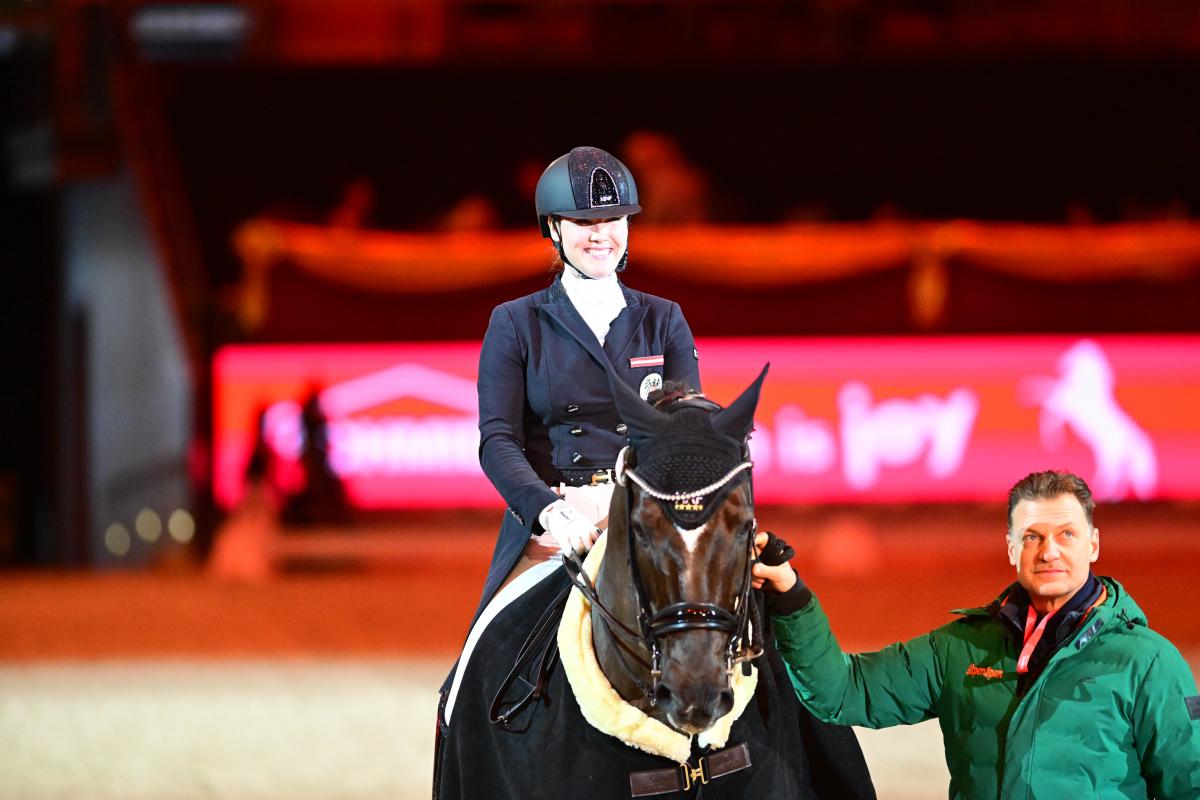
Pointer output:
x,y
693,774
603,476
682,778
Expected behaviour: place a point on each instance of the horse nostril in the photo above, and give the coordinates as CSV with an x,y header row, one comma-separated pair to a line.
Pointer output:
x,y
724,703
662,695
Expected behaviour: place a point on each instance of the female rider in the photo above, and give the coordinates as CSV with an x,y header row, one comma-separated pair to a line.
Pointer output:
x,y
549,433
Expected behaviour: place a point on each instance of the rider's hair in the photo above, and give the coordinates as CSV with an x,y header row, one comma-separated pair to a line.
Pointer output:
x,y
1046,486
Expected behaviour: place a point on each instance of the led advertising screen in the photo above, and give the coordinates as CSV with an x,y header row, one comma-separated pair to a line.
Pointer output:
x,y
841,420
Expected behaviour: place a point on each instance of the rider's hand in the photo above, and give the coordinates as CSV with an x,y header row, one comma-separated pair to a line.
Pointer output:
x,y
777,579
569,527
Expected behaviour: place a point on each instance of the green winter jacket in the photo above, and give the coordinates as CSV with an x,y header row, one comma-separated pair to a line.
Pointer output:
x,y
1109,717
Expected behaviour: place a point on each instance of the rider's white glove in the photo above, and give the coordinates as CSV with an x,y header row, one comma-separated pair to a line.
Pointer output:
x,y
568,526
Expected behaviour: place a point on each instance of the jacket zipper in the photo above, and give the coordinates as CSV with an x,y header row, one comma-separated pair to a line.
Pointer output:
x,y
1036,686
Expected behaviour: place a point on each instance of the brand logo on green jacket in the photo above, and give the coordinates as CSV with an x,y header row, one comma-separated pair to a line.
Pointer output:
x,y
986,672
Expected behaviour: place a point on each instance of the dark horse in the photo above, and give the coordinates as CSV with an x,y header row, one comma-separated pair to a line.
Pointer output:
x,y
648,670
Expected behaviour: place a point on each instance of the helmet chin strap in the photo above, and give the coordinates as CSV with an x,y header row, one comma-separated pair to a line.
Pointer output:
x,y
562,254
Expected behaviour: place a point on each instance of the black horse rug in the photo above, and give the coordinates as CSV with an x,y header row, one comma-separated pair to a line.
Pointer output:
x,y
550,749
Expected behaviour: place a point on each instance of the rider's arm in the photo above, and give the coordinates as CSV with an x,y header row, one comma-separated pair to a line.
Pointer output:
x,y
681,359
501,415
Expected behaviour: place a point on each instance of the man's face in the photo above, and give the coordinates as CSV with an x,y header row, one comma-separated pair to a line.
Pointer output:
x,y
1052,546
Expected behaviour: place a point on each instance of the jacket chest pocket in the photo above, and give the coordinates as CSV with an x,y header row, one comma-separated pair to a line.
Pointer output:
x,y
647,362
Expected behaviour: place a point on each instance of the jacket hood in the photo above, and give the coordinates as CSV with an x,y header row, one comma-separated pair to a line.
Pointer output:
x,y
1123,606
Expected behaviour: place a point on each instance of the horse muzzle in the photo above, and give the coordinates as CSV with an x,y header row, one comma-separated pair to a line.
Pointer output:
x,y
694,710
694,689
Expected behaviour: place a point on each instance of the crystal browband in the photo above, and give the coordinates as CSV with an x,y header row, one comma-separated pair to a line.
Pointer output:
x,y
622,474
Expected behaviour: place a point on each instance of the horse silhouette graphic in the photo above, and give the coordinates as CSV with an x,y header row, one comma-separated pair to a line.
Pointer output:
x,y
1082,398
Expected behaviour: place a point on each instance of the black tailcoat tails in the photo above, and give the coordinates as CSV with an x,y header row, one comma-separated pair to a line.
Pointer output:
x,y
555,753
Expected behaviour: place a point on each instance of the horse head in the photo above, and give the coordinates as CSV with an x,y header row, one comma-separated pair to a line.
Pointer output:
x,y
676,571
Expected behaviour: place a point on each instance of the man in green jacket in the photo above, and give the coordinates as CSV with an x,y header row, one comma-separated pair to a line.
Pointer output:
x,y
1056,689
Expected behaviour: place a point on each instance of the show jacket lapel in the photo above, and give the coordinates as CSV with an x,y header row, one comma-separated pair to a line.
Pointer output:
x,y
625,327
560,310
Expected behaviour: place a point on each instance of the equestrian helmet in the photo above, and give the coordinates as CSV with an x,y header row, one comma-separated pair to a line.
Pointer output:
x,y
586,183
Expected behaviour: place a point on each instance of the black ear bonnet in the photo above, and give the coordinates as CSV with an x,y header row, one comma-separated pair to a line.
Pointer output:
x,y
687,444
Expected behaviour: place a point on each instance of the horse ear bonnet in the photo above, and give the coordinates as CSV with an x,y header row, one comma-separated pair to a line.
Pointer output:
x,y
690,445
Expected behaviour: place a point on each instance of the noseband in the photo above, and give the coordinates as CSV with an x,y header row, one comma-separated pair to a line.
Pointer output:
x,y
744,642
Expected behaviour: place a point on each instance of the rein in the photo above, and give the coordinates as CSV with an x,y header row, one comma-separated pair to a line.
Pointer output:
x,y
579,578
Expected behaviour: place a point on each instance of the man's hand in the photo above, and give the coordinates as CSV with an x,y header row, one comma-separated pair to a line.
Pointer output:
x,y
569,527
776,579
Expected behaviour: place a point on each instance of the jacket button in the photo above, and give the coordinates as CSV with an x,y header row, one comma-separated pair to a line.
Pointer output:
x,y
577,431
622,427
572,409
576,458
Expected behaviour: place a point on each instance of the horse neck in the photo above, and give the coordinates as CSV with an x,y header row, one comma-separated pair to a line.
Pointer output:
x,y
614,585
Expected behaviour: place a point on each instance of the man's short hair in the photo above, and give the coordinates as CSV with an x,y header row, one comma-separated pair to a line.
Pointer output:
x,y
1048,485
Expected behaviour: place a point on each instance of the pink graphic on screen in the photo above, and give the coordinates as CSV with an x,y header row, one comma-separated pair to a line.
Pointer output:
x,y
840,420
1081,399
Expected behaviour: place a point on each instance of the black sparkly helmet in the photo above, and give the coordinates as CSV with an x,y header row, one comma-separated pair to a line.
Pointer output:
x,y
586,183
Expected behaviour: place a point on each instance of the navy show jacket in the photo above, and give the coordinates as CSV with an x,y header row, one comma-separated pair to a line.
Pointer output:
x,y
544,401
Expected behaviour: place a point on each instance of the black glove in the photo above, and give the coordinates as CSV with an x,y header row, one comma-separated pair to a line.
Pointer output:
x,y
776,552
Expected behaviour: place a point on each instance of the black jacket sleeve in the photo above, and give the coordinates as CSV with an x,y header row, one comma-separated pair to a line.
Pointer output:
x,y
681,361
501,416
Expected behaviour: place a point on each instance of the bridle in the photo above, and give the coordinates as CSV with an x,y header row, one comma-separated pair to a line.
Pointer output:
x,y
745,636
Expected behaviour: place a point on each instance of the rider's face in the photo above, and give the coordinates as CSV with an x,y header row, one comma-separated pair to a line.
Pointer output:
x,y
593,246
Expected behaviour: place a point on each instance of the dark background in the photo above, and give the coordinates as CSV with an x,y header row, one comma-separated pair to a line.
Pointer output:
x,y
833,112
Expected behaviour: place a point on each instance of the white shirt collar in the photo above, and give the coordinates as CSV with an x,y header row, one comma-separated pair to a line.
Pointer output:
x,y
598,300
591,291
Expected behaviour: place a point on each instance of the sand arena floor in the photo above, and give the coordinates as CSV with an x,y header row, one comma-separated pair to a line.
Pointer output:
x,y
318,682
